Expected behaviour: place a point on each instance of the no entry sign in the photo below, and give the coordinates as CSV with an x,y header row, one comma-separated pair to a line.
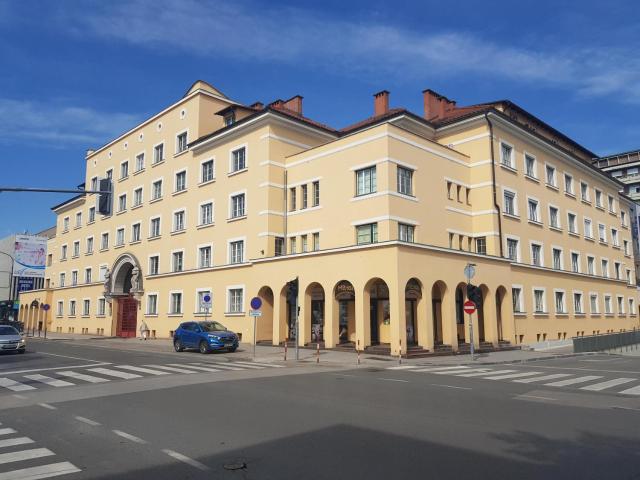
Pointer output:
x,y
469,307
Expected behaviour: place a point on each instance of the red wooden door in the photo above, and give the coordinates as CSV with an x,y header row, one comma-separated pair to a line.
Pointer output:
x,y
127,317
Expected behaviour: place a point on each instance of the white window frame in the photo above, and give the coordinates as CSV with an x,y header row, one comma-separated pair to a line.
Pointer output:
x,y
587,234
604,273
198,310
621,303
149,257
174,228
151,233
520,299
228,289
515,202
121,164
576,230
506,247
544,300
153,189
213,217
198,257
573,298
512,156
553,185
244,250
139,224
610,309
230,170
146,308
171,293
586,198
230,203
597,310
535,165
564,301
154,161
144,161
558,219
171,262
139,188
538,214
571,192
176,150
213,178
186,180
541,245
553,266
576,252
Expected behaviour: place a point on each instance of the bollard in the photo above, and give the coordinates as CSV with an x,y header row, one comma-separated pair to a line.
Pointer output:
x,y
400,353
318,352
358,351
285,350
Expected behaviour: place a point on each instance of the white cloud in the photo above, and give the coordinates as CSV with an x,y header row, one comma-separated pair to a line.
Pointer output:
x,y
59,125
293,36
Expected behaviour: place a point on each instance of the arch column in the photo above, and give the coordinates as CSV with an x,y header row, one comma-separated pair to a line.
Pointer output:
x,y
425,327
330,319
279,318
449,326
363,313
304,319
397,309
491,319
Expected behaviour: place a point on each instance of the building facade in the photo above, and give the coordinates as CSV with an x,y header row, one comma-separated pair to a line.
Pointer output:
x,y
377,221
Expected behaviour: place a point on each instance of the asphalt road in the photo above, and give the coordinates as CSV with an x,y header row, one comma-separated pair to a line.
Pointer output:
x,y
223,417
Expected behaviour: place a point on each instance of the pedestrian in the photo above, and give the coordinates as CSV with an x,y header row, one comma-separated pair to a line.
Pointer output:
x,y
144,330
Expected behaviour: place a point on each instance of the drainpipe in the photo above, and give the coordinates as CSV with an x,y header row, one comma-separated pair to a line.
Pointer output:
x,y
286,209
493,182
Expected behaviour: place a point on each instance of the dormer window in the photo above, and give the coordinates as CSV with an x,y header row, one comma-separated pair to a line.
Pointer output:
x,y
229,118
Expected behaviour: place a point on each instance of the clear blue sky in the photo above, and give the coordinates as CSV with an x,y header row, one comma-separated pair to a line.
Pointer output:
x,y
75,74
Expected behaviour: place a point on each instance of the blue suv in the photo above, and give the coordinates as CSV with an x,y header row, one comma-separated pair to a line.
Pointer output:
x,y
205,336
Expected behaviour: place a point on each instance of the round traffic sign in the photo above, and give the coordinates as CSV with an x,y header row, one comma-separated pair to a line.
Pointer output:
x,y
469,271
206,298
469,307
256,303
46,307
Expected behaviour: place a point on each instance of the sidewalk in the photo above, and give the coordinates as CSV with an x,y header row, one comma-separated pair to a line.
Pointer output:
x,y
270,354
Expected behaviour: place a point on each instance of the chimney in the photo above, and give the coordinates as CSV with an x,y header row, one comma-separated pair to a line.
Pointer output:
x,y
257,106
436,105
380,103
294,104
89,152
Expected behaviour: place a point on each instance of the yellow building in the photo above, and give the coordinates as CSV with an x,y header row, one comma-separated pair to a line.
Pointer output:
x,y
377,220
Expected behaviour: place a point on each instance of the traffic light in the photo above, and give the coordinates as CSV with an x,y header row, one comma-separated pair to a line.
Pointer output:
x,y
292,291
105,200
474,294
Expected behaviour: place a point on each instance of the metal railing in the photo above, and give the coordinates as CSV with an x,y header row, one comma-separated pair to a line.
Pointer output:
x,y
607,341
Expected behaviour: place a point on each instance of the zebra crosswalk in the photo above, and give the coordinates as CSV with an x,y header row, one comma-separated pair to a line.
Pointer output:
x,y
21,459
107,373
589,383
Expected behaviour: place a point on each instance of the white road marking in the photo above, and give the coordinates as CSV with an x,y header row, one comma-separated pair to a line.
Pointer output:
x,y
43,471
185,459
240,364
88,421
436,369
217,365
11,442
403,367
262,364
7,431
49,381
15,386
473,370
520,397
114,373
21,397
25,455
83,376
631,391
67,356
128,436
46,405
512,375
571,381
596,387
393,380
450,386
141,370
544,377
497,372
171,369
13,372
204,369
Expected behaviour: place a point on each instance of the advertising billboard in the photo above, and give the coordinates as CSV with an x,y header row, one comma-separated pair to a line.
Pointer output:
x,y
30,256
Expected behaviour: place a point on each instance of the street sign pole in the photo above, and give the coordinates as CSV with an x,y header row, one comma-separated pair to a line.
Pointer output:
x,y
470,272
297,330
256,303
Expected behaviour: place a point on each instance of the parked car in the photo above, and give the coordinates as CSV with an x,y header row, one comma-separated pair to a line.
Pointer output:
x,y
11,340
205,336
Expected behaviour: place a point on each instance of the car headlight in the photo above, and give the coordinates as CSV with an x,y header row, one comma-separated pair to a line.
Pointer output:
x,y
22,341
215,338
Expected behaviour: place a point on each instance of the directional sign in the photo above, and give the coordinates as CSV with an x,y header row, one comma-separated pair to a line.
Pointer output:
x,y
255,313
256,303
469,307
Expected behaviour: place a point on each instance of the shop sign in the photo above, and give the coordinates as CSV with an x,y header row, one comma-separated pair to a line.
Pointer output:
x,y
345,291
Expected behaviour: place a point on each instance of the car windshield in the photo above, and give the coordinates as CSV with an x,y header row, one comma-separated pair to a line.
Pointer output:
x,y
7,330
212,326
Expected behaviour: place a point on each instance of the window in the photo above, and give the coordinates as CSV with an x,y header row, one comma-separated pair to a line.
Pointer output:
x,y
122,202
481,245
584,192
181,142
551,175
63,277
625,244
588,228
120,237
316,241
539,301
236,251
292,199
553,217
237,206
559,300
614,237
530,166
512,249
628,273
202,306
367,233
305,243
557,258
229,119
158,153
60,310
366,181
238,159
292,244
156,190
305,196
137,197
72,308
104,241
101,306
605,268
602,233
279,246
206,214
536,255
568,184
598,198
89,245
76,248
152,304
177,261
632,307
207,171
181,181
506,155
577,303
139,162
235,300
612,204
405,180
154,231
204,257
154,265
620,304
176,303
623,218
316,193
74,278
109,174
573,228
135,232
533,210
94,183
593,303
65,224
516,297
86,307
63,252
178,221
92,215
616,270
607,305
78,219
510,203
102,272
575,262
124,170
405,232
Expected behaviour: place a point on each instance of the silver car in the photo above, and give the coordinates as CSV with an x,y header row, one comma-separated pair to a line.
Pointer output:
x,y
11,340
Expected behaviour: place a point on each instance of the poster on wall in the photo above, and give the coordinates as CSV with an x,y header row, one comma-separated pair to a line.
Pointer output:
x,y
30,255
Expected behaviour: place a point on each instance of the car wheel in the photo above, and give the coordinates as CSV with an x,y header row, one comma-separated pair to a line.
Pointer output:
x,y
22,351
204,348
177,345
233,349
